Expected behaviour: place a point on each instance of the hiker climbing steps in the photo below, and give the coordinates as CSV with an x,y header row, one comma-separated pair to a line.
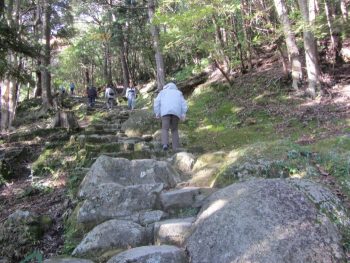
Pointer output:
x,y
120,196
139,203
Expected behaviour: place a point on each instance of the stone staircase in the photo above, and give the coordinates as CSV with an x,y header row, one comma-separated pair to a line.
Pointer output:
x,y
138,205
132,197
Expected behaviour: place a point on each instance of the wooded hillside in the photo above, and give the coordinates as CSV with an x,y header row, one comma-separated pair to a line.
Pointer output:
x,y
48,44
267,83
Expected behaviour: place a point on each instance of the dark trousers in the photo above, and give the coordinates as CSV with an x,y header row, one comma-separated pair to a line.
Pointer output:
x,y
170,122
91,101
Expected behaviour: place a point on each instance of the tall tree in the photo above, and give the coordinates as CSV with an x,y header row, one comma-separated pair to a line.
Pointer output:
x,y
308,12
156,46
46,55
8,89
293,51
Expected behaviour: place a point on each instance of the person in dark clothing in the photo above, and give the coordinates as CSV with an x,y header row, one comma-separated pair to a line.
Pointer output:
x,y
92,95
72,87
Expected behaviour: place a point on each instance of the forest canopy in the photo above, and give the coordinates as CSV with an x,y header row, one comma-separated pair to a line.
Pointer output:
x,y
47,44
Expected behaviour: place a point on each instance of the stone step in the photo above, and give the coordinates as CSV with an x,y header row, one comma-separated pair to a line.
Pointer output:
x,y
156,254
173,231
103,126
112,147
187,197
94,138
111,235
102,132
130,155
66,260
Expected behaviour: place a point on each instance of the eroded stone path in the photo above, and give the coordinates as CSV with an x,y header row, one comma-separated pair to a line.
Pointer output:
x,y
138,204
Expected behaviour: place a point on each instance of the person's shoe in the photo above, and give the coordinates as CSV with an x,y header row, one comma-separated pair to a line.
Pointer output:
x,y
165,147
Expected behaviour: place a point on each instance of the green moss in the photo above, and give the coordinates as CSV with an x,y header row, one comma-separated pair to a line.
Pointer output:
x,y
75,177
73,232
47,163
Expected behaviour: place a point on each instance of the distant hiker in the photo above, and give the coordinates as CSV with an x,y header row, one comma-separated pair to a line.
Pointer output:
x,y
110,95
131,96
72,87
92,94
62,89
171,106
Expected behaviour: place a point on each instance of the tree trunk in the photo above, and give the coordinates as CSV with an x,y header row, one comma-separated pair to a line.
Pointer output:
x,y
8,91
126,78
293,52
2,8
37,35
307,8
65,119
236,39
5,91
284,59
221,42
105,63
344,10
46,56
156,46
109,64
38,89
15,63
246,35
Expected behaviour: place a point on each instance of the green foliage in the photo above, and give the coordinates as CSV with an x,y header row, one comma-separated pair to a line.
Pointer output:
x,y
73,232
35,188
47,163
190,70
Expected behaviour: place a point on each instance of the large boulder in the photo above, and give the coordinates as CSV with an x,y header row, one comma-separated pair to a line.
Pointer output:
x,y
151,254
112,235
263,221
124,172
114,201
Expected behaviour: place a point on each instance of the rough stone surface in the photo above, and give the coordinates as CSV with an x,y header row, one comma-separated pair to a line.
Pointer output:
x,y
183,161
110,235
205,176
114,201
151,254
124,172
173,231
263,221
139,123
325,200
67,260
96,138
150,217
180,198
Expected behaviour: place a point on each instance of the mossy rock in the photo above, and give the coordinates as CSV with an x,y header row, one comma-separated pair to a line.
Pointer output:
x,y
14,162
73,231
140,122
21,232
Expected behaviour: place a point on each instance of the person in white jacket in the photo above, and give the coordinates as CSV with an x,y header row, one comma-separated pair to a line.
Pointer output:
x,y
171,106
110,96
